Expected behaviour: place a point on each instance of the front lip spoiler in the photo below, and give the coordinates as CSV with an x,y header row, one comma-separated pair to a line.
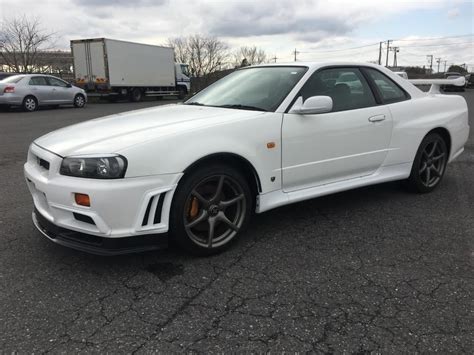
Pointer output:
x,y
98,245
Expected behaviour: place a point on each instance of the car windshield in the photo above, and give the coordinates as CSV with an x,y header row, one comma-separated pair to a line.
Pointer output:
x,y
13,79
257,88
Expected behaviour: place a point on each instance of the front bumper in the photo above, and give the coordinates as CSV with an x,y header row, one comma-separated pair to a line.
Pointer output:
x,y
120,209
97,245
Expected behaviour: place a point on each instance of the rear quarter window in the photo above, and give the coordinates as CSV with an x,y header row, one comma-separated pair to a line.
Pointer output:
x,y
388,90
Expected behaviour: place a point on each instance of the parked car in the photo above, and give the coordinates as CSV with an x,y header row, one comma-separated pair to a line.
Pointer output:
x,y
470,80
4,75
260,138
452,75
33,90
402,74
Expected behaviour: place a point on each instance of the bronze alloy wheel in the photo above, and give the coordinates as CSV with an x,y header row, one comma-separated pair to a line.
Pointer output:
x,y
211,207
214,211
432,164
429,164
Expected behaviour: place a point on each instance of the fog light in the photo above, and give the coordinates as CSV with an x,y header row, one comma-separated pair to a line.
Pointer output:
x,y
82,199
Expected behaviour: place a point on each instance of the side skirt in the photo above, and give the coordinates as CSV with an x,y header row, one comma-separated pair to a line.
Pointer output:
x,y
279,198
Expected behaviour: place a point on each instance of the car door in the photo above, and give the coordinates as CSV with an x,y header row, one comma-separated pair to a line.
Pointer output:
x,y
40,88
62,91
349,142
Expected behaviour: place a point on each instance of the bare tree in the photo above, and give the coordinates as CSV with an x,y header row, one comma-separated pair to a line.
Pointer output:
x,y
21,40
249,56
204,55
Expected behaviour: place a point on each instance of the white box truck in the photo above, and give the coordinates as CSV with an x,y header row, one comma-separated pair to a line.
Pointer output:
x,y
112,68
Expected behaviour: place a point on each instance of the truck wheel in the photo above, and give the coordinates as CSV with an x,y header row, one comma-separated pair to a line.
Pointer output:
x,y
182,92
136,95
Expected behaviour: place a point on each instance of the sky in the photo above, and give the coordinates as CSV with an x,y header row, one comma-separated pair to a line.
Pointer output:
x,y
319,30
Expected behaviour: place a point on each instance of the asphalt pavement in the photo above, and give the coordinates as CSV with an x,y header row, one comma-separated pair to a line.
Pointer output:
x,y
376,269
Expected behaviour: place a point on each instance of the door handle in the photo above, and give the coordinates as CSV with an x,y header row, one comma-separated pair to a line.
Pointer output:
x,y
377,118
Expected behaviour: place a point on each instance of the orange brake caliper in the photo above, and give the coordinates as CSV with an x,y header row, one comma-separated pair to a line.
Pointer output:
x,y
194,208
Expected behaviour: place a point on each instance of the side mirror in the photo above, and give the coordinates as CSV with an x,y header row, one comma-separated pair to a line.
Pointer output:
x,y
69,85
312,105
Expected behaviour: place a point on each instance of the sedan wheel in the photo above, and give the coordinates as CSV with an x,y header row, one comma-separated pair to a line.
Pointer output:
x,y
30,104
210,208
79,101
430,164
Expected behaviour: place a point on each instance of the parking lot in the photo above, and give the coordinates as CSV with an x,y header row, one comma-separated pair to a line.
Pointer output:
x,y
374,269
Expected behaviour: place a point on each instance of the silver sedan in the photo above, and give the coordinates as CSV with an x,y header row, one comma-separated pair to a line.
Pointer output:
x,y
33,90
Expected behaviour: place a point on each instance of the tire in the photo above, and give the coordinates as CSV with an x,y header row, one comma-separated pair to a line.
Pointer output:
x,y
30,104
79,101
215,195
136,95
429,164
182,92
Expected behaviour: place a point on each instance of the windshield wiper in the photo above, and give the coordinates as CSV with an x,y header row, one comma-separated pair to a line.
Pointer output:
x,y
194,103
243,107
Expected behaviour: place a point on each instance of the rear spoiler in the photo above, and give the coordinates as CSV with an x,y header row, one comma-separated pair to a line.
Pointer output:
x,y
436,83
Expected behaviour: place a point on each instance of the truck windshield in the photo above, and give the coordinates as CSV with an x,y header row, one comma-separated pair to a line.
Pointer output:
x,y
257,88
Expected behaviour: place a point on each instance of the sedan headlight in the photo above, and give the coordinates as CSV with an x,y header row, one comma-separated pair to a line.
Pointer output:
x,y
104,167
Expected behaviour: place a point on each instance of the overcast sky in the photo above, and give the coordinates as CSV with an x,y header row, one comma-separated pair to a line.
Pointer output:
x,y
319,30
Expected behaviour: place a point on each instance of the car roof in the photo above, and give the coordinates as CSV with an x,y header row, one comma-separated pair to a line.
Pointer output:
x,y
314,65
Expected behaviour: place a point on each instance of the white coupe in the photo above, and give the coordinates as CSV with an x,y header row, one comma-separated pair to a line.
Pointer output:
x,y
261,137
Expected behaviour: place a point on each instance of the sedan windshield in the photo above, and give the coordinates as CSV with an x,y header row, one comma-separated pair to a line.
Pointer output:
x,y
258,88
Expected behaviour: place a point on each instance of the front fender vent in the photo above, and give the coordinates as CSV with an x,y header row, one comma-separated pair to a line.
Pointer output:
x,y
153,210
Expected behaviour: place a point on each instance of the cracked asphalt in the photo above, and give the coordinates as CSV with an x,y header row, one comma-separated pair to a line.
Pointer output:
x,y
376,269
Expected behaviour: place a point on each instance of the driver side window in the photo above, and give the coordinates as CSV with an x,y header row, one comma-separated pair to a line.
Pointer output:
x,y
347,88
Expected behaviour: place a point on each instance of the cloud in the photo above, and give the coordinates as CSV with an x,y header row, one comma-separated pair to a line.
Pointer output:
x,y
453,13
92,4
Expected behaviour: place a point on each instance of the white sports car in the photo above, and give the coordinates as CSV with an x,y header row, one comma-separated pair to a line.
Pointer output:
x,y
261,137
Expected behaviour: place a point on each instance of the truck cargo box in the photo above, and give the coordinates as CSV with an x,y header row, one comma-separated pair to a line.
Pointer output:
x,y
111,63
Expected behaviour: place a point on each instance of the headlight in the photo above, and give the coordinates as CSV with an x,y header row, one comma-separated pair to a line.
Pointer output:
x,y
105,167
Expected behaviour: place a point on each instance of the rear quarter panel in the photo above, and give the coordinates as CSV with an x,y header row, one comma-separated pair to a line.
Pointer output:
x,y
413,119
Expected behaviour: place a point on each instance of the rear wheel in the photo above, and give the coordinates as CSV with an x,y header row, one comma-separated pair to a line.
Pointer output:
x,y
79,101
30,104
211,207
429,164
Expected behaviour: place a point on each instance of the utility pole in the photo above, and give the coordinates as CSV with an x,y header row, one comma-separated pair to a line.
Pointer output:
x,y
295,53
388,48
445,66
438,60
274,59
431,62
380,53
395,51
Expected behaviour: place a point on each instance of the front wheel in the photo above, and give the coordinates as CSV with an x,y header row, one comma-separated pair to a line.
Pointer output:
x,y
429,164
211,207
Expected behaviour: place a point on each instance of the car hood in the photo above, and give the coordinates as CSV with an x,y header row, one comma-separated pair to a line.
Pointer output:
x,y
111,134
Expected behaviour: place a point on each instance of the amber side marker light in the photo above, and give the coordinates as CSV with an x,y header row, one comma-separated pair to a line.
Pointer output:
x,y
82,199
